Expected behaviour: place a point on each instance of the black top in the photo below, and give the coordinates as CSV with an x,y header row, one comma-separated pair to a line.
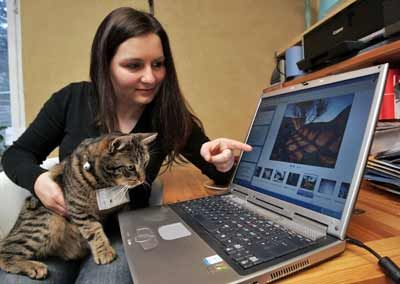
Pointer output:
x,y
66,119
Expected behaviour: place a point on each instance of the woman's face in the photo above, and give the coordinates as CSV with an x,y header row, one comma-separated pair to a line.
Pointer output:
x,y
137,69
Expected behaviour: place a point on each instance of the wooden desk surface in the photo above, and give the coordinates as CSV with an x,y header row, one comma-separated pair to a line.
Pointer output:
x,y
376,222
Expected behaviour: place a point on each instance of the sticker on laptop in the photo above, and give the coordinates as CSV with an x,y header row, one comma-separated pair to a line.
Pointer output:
x,y
215,264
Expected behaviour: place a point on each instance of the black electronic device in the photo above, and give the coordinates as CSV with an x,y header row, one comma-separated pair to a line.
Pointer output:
x,y
391,17
360,24
338,52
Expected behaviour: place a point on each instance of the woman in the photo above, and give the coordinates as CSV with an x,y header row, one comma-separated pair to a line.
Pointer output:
x,y
133,88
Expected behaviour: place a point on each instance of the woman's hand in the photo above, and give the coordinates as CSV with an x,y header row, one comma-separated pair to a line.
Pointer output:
x,y
50,194
220,152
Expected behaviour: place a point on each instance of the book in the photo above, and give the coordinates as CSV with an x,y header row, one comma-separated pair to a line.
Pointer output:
x,y
390,107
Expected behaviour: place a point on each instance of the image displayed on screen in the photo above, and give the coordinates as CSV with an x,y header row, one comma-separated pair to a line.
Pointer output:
x,y
267,173
307,144
257,171
344,190
279,176
293,179
327,186
309,182
311,132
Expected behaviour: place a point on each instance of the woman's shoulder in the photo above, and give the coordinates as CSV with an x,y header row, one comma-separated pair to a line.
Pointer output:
x,y
83,87
74,91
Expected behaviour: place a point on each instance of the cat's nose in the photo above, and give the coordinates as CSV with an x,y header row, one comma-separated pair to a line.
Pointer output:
x,y
141,176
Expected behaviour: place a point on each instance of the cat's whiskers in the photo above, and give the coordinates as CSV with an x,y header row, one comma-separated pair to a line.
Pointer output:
x,y
122,193
124,189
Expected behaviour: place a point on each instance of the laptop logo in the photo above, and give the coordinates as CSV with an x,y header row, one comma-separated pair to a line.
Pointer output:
x,y
339,30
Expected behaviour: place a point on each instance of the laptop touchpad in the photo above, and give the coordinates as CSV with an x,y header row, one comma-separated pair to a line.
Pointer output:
x,y
173,231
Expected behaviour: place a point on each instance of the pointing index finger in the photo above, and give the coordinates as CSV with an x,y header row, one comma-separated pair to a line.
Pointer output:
x,y
236,145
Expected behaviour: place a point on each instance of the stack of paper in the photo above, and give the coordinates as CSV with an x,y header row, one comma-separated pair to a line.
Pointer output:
x,y
383,167
384,174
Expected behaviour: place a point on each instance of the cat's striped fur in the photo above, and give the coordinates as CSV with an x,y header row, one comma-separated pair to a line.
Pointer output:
x,y
109,160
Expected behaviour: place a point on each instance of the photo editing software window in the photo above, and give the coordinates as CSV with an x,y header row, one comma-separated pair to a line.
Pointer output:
x,y
306,144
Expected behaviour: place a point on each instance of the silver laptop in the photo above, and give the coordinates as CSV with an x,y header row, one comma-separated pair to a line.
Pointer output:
x,y
290,199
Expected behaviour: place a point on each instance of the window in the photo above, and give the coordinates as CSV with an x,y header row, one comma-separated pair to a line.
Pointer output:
x,y
5,117
11,93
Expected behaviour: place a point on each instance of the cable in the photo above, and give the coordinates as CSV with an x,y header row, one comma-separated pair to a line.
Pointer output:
x,y
361,244
390,268
277,60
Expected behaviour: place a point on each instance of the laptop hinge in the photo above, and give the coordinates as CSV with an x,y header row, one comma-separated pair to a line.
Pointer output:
x,y
309,227
242,194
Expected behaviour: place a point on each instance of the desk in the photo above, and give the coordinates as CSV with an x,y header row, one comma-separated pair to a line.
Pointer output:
x,y
377,223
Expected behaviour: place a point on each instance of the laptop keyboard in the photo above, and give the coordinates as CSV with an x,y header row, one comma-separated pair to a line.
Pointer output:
x,y
247,238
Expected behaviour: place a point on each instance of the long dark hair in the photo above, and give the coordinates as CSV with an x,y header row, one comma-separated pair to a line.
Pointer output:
x,y
172,116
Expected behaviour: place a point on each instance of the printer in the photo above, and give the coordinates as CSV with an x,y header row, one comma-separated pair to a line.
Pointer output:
x,y
357,26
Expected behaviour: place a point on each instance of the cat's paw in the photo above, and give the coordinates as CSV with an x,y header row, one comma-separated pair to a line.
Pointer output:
x,y
35,269
105,255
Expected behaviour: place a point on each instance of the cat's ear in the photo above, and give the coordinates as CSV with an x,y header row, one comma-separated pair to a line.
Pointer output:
x,y
146,138
119,143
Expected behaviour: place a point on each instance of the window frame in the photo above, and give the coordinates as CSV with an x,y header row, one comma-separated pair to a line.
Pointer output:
x,y
17,102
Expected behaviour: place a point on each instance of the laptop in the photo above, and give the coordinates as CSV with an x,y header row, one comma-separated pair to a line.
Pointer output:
x,y
290,199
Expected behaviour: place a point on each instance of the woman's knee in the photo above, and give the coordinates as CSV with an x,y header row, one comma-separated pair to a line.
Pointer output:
x,y
114,272
59,272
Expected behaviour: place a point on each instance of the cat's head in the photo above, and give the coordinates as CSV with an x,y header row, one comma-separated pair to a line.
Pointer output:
x,y
115,159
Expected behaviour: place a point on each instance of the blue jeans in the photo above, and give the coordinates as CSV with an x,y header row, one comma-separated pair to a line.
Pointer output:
x,y
85,271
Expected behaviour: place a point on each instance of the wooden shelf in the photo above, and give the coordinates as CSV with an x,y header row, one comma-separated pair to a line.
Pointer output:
x,y
387,53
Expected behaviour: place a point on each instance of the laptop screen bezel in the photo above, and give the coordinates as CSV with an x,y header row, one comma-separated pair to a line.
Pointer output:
x,y
336,227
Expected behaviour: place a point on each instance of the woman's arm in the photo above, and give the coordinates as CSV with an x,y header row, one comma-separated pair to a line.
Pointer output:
x,y
21,161
215,162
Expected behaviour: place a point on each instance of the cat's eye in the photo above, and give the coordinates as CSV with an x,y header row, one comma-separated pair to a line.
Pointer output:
x,y
116,168
130,167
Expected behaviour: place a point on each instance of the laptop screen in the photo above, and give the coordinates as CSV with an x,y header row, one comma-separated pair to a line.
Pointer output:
x,y
306,144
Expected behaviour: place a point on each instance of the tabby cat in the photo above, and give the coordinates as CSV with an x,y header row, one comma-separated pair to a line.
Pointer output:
x,y
107,161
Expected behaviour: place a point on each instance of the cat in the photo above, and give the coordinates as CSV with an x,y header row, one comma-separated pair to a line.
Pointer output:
x,y
106,161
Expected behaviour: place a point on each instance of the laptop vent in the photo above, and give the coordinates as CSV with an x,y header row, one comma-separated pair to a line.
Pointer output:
x,y
289,270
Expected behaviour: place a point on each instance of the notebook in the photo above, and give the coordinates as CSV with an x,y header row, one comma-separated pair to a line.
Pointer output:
x,y
290,199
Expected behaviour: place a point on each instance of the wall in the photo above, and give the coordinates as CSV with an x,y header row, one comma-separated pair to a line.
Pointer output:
x,y
224,54
56,41
223,50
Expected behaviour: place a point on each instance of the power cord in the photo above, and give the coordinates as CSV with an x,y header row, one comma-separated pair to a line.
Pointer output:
x,y
387,265
277,60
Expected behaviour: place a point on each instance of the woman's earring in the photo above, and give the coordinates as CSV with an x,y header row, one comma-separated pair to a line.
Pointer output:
x,y
86,166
